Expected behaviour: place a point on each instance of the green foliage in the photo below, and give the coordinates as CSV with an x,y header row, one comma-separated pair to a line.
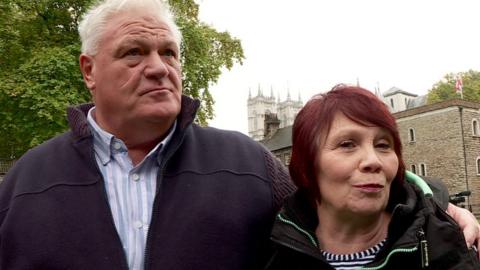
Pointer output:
x,y
35,97
40,77
204,53
445,89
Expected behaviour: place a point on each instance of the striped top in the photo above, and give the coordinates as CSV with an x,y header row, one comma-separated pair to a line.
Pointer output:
x,y
353,260
130,189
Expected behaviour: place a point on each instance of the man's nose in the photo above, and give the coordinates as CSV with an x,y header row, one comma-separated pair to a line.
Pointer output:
x,y
156,68
370,161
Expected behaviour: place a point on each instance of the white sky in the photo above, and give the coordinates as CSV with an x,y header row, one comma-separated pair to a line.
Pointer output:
x,y
308,46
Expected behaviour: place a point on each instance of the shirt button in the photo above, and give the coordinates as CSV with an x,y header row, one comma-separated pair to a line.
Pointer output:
x,y
135,177
137,224
117,145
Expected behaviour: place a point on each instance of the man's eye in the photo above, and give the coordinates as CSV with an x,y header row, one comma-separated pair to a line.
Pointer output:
x,y
133,52
169,52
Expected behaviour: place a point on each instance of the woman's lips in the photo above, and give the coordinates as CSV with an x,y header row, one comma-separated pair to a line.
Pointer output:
x,y
370,187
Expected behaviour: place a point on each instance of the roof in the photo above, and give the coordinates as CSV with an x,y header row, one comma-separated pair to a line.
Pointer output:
x,y
281,139
395,90
437,106
417,102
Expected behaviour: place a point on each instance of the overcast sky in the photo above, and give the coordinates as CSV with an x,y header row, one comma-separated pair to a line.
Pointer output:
x,y
308,46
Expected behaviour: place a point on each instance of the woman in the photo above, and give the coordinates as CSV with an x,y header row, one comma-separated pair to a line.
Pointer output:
x,y
354,207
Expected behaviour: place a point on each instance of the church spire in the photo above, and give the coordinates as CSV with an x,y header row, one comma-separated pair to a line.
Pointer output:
x,y
378,93
259,92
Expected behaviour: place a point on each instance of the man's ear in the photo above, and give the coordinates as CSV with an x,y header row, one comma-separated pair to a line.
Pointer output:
x,y
87,69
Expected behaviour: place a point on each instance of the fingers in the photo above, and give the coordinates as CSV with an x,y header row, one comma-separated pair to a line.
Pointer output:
x,y
469,225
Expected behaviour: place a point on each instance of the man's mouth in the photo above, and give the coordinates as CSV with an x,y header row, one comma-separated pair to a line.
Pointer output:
x,y
154,90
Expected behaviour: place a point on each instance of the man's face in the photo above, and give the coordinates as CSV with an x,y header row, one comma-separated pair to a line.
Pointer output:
x,y
135,77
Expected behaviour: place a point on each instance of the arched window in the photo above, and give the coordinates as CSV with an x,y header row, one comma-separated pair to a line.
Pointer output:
x,y
414,168
411,135
423,169
478,165
475,128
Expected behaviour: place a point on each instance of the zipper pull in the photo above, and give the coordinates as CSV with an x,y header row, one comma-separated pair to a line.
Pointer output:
x,y
423,248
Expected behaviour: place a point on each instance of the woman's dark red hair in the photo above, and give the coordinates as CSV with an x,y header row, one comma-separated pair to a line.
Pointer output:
x,y
313,122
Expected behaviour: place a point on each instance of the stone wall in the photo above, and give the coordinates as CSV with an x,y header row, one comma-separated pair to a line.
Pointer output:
x,y
439,144
283,155
5,165
472,153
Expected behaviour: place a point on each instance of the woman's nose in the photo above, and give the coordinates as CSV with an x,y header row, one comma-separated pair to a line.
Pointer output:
x,y
370,161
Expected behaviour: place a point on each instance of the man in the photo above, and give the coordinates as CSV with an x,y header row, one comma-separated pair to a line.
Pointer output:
x,y
135,184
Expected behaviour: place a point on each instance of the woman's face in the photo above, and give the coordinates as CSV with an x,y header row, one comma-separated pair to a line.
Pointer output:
x,y
355,167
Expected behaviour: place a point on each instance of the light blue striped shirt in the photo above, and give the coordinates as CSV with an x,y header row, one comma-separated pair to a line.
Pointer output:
x,y
130,189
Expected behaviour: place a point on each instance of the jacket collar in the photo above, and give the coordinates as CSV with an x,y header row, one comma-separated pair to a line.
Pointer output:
x,y
296,222
77,116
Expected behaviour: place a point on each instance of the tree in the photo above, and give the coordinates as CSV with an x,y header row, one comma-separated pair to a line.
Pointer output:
x,y
35,99
204,53
40,77
445,89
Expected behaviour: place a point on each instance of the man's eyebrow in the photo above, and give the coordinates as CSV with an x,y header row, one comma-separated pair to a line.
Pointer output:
x,y
145,42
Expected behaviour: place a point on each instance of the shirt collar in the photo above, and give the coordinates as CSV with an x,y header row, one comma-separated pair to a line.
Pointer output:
x,y
106,144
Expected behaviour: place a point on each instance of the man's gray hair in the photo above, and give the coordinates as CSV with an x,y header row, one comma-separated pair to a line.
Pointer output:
x,y
93,22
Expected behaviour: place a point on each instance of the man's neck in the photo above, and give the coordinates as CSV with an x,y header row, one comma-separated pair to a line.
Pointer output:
x,y
139,138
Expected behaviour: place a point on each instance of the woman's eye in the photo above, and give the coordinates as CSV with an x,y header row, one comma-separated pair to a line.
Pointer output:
x,y
384,145
347,144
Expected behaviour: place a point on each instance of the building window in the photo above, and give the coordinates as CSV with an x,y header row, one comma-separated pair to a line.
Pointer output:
x,y
478,165
287,159
423,170
414,168
475,128
391,103
406,102
411,135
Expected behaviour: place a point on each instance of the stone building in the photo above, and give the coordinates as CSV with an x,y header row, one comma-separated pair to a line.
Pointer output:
x,y
398,100
440,140
5,165
260,106
280,144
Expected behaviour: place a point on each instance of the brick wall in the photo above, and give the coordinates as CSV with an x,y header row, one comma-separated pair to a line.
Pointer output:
x,y
439,145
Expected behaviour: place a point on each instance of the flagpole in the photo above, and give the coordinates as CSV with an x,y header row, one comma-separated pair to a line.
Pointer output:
x,y
459,85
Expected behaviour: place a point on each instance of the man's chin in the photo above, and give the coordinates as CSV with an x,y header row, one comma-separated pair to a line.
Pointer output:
x,y
160,113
